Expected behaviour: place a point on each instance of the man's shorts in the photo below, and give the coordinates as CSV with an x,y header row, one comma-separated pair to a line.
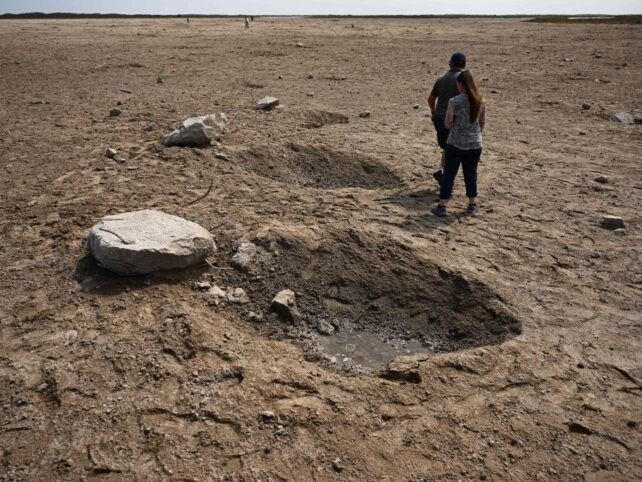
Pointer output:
x,y
442,132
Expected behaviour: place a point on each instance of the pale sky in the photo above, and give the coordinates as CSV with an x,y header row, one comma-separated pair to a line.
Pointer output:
x,y
340,7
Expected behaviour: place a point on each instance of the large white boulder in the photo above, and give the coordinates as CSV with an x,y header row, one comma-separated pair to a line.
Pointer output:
x,y
142,242
197,131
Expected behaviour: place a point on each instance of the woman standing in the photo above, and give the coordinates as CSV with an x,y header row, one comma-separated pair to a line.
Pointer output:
x,y
465,118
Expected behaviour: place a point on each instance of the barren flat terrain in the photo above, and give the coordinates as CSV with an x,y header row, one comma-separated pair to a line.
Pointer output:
x,y
516,335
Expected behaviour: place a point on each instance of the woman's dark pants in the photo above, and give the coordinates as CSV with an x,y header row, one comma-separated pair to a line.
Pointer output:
x,y
468,160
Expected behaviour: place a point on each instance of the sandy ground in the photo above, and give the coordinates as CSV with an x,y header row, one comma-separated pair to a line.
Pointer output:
x,y
529,314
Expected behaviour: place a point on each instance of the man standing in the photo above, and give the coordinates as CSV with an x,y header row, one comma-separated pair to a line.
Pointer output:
x,y
444,89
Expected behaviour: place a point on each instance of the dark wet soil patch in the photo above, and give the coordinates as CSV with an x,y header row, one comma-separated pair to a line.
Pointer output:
x,y
319,166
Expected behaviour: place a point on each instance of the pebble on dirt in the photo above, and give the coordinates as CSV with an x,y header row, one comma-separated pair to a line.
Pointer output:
x,y
365,114
142,242
586,106
197,131
201,285
115,112
150,126
267,103
110,152
244,255
217,295
238,296
612,222
623,118
325,328
601,179
284,304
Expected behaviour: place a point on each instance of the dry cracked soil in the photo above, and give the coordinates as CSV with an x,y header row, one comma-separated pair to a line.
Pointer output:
x,y
499,347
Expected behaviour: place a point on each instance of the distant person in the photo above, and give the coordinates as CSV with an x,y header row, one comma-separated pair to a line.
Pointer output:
x,y
187,19
465,119
247,23
444,89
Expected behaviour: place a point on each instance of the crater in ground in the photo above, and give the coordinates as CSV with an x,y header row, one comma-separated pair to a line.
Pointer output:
x,y
319,166
380,296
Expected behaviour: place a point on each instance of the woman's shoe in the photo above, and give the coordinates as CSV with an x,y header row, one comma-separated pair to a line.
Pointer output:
x,y
472,209
440,211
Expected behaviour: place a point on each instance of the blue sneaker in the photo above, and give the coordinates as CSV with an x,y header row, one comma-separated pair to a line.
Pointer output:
x,y
440,211
472,209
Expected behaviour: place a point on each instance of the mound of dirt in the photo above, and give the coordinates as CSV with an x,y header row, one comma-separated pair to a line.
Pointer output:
x,y
319,118
320,167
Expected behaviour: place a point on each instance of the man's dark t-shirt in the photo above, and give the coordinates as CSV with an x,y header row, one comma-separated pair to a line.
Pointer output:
x,y
444,89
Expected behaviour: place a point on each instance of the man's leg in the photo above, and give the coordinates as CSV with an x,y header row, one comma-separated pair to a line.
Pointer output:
x,y
451,166
442,137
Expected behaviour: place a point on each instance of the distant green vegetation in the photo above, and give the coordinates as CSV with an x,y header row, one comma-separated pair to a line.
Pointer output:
x,y
628,19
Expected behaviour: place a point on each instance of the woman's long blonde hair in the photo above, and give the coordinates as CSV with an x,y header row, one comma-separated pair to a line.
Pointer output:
x,y
465,79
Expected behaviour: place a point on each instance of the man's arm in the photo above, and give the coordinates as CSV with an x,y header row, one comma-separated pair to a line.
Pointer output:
x,y
432,102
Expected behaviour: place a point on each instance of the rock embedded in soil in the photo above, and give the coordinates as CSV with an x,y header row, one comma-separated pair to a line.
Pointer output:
x,y
143,242
110,152
623,118
197,131
284,304
217,295
365,114
601,179
325,328
238,296
115,112
267,103
586,106
244,256
612,222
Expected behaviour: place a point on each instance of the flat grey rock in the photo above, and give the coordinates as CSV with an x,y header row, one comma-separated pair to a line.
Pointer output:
x,y
267,103
142,242
612,222
197,131
284,304
244,255
623,118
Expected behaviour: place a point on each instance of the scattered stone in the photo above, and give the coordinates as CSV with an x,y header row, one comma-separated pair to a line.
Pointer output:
x,y
300,45
201,285
220,155
416,106
244,255
70,337
337,465
284,304
404,369
115,112
623,118
601,179
255,317
310,76
160,80
217,295
620,231
31,203
365,114
150,126
119,158
197,131
110,152
310,94
267,415
37,102
637,119
612,222
325,328
586,106
267,103
238,296
142,242
132,168
596,255
41,388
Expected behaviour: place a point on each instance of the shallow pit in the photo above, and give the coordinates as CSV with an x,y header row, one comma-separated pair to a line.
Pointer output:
x,y
382,298
319,166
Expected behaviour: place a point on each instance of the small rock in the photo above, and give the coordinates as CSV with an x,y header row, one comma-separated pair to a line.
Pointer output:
x,y
31,203
115,112
623,118
238,296
37,102
325,328
596,255
132,168
300,45
70,337
150,126
620,231
612,222
365,114
310,94
119,158
637,119
586,106
601,179
42,387
244,255
160,80
110,152
267,103
197,131
310,76
255,317
284,304
220,155
201,285
337,465
267,415
217,295
416,106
